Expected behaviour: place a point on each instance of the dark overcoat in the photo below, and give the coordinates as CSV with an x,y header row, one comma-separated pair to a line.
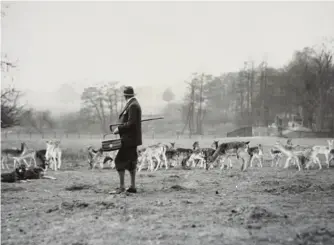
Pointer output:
x,y
131,136
130,130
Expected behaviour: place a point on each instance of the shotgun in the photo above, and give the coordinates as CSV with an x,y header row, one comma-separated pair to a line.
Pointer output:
x,y
144,120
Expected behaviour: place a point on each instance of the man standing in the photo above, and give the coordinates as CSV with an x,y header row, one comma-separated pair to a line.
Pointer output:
x,y
131,136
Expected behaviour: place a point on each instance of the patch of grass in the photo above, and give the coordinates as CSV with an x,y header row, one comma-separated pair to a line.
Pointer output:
x,y
78,187
12,188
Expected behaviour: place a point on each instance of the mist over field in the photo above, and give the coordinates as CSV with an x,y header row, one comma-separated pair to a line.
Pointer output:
x,y
250,84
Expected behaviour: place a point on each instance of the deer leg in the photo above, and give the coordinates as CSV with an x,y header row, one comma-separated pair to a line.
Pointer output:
x,y
230,162
319,163
33,158
314,159
258,161
327,159
55,164
261,161
59,160
222,163
287,162
251,161
165,160
203,162
155,167
148,162
152,164
297,162
272,160
158,164
309,162
141,163
278,158
192,162
15,163
245,164
139,167
330,160
25,161
35,162
5,163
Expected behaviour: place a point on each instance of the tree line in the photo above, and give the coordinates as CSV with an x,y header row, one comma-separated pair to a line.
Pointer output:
x,y
257,93
254,95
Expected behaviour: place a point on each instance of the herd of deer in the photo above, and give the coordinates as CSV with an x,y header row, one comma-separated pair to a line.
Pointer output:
x,y
51,156
156,156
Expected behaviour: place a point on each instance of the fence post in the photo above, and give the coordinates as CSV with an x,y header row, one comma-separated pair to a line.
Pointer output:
x,y
43,135
55,135
30,135
79,135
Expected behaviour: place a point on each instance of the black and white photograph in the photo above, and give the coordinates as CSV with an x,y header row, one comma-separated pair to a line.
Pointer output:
x,y
167,122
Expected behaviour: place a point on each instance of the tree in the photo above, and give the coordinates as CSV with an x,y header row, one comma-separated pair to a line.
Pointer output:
x,y
102,103
255,95
37,120
94,102
168,95
10,108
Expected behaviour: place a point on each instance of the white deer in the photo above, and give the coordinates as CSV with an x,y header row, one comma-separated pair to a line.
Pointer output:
x,y
53,153
289,154
321,149
12,153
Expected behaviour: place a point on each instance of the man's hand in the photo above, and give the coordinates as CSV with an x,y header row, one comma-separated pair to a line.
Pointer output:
x,y
116,131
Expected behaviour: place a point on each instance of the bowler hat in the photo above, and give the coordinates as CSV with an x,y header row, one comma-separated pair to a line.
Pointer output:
x,y
128,90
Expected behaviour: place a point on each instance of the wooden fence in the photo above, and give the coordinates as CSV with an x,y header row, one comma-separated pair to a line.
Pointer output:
x,y
56,135
241,132
263,131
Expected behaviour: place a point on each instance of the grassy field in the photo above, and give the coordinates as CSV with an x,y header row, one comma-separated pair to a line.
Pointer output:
x,y
259,206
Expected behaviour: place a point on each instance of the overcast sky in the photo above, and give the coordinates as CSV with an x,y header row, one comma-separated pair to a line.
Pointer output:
x,y
147,43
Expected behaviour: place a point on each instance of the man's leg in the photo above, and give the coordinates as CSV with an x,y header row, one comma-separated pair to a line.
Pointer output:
x,y
132,172
121,175
133,179
120,167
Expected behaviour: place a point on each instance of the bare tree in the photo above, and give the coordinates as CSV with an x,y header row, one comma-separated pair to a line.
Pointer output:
x,y
38,120
168,95
102,103
10,108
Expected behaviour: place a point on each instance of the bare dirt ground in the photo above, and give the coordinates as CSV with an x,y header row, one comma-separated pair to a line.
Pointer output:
x,y
259,206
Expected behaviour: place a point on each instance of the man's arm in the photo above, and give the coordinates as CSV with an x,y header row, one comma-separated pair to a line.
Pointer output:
x,y
133,115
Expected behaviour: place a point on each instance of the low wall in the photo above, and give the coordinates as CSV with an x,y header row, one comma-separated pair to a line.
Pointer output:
x,y
305,134
266,131
241,132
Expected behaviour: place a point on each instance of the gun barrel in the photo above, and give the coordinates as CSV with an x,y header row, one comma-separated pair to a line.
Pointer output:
x,y
144,120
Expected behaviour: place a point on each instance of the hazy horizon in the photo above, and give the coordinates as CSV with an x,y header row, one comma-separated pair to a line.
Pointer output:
x,y
63,47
